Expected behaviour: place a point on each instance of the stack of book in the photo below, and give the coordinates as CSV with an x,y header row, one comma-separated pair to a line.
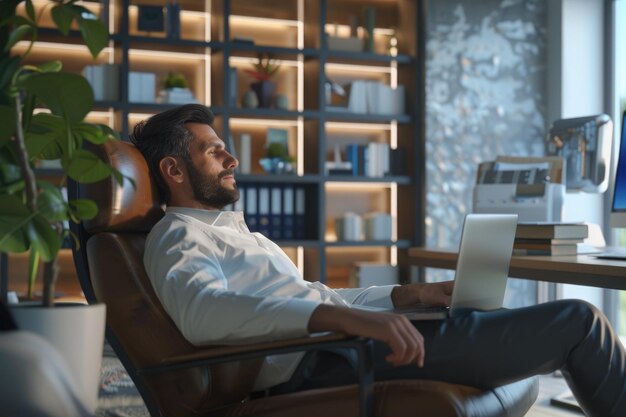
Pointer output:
x,y
549,238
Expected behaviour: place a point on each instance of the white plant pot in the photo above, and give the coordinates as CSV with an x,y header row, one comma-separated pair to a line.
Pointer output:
x,y
77,333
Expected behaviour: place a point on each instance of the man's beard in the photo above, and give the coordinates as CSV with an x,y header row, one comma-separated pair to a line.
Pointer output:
x,y
209,191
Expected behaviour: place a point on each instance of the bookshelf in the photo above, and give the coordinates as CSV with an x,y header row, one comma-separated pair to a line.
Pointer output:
x,y
213,41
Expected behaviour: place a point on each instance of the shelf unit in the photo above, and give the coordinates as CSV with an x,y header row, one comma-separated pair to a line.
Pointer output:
x,y
213,40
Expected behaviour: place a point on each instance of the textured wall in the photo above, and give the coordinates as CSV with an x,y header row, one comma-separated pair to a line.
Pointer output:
x,y
485,95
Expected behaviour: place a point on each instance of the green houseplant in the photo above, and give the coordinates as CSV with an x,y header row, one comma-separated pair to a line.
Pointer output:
x,y
42,117
33,211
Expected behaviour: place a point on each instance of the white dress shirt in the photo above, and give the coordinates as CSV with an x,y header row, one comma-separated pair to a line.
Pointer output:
x,y
221,284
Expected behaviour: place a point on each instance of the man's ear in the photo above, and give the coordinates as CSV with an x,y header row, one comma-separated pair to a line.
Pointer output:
x,y
171,170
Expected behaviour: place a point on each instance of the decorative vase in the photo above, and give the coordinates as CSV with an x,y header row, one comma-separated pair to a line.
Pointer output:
x,y
250,100
370,22
281,102
265,92
77,333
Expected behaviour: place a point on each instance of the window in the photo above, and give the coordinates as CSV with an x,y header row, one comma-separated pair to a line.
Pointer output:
x,y
619,238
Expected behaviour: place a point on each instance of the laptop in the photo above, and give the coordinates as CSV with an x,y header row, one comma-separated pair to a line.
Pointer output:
x,y
482,268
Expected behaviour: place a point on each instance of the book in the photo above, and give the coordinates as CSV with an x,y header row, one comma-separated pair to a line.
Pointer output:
x,y
300,210
264,211
557,250
288,220
276,212
251,209
543,230
548,242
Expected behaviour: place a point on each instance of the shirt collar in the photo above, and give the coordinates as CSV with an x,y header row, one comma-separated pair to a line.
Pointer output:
x,y
233,219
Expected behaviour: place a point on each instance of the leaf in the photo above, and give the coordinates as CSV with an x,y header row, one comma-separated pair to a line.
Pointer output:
x,y
63,16
112,134
33,268
86,167
16,35
83,209
67,95
13,217
43,145
9,167
51,203
90,132
7,121
52,66
93,30
44,122
8,66
43,238
28,107
30,10
14,20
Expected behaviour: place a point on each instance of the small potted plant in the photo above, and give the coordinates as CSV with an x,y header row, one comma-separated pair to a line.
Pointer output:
x,y
262,71
278,160
176,90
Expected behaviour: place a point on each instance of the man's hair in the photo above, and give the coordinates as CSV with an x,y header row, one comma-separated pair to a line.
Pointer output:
x,y
165,134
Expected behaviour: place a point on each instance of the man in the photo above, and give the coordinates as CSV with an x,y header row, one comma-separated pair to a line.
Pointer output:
x,y
222,284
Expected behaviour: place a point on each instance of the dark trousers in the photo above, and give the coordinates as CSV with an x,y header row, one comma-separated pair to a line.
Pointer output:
x,y
488,349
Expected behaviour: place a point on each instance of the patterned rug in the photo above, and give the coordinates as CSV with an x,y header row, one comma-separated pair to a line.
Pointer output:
x,y
118,396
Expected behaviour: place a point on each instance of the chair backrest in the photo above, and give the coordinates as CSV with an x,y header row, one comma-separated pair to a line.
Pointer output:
x,y
109,262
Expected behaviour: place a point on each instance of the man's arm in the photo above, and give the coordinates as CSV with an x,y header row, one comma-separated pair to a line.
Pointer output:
x,y
436,293
406,343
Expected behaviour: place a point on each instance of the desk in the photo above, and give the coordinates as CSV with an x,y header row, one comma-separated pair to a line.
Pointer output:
x,y
575,269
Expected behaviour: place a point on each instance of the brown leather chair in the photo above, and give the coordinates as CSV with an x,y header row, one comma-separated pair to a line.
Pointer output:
x,y
178,379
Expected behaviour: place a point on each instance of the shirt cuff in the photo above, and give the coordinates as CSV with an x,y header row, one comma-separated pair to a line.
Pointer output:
x,y
296,315
380,296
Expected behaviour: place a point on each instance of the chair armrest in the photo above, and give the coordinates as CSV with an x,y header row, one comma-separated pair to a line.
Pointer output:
x,y
220,354
228,352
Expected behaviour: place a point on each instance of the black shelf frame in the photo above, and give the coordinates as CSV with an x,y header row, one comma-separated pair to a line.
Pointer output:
x,y
316,55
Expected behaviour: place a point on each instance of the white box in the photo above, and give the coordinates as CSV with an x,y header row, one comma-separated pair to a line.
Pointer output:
x,y
367,274
349,227
377,226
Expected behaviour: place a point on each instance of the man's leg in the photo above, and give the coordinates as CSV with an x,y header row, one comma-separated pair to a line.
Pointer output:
x,y
487,349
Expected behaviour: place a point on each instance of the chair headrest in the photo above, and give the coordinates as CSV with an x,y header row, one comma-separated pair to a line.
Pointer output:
x,y
123,208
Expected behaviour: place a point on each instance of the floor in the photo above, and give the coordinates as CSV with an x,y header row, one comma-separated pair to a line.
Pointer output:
x,y
550,386
119,398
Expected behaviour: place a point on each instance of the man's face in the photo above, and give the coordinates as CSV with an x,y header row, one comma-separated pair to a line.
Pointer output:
x,y
211,172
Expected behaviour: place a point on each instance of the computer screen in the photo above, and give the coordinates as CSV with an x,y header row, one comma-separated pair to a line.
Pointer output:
x,y
618,210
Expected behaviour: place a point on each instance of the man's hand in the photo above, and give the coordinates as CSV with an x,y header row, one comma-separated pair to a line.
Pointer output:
x,y
436,293
406,343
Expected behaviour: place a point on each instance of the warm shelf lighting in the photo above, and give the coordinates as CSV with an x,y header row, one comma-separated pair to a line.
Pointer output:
x,y
393,76
300,26
263,122
344,30
140,116
242,60
63,47
357,126
262,22
358,68
393,135
359,186
300,146
190,13
143,53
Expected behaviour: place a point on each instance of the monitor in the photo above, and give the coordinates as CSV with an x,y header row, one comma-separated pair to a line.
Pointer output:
x,y
618,209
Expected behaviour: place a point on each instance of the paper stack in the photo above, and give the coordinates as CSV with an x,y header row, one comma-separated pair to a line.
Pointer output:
x,y
550,239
